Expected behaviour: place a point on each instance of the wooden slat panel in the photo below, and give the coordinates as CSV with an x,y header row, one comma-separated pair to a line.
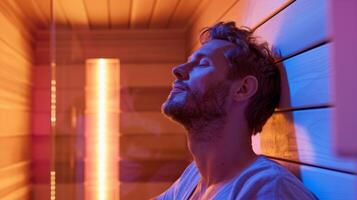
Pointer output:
x,y
128,190
66,171
19,146
148,123
41,100
13,90
152,51
141,13
308,78
119,11
115,34
68,191
207,18
14,122
143,99
14,60
184,11
244,13
59,16
98,13
151,171
33,12
41,124
45,8
130,171
13,177
290,30
131,75
75,12
12,36
19,194
303,136
153,147
162,13
325,184
147,190
70,147
251,13
16,16
146,74
42,77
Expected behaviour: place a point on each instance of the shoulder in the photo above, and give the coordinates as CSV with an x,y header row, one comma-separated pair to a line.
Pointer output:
x,y
183,185
266,179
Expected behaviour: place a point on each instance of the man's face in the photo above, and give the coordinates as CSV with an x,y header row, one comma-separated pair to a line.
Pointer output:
x,y
201,87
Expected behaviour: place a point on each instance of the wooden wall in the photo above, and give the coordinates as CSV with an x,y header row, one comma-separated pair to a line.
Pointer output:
x,y
15,102
152,149
299,134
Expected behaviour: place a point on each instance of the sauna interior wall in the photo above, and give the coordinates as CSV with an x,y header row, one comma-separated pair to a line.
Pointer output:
x,y
16,61
152,148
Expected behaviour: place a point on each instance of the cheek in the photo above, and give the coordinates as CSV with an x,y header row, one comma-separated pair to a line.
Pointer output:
x,y
200,79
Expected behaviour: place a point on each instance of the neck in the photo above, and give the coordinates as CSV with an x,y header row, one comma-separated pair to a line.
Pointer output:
x,y
220,152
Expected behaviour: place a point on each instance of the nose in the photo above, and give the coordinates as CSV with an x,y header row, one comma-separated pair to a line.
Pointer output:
x,y
181,72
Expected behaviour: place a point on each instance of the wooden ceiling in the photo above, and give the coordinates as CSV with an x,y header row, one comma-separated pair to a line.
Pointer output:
x,y
112,14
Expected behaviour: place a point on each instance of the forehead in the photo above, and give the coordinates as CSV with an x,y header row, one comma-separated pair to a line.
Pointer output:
x,y
213,48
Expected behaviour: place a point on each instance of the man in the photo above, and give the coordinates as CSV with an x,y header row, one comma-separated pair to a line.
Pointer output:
x,y
223,94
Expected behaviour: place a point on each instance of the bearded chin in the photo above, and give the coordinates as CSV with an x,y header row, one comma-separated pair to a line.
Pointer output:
x,y
179,111
191,108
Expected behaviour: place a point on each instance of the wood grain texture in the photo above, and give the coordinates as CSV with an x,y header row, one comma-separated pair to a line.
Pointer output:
x,y
13,177
18,146
243,12
306,79
130,171
71,147
128,46
162,13
154,147
75,12
119,13
303,136
147,123
68,191
98,13
184,12
73,191
141,13
284,31
151,171
325,184
206,18
11,127
16,57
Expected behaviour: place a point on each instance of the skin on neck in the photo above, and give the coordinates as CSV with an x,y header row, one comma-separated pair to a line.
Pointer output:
x,y
222,158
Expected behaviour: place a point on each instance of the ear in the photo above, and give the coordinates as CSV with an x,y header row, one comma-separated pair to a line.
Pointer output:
x,y
245,88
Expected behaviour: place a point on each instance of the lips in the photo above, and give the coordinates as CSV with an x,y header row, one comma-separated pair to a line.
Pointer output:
x,y
178,88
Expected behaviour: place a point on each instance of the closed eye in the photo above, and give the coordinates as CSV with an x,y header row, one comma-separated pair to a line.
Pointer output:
x,y
204,62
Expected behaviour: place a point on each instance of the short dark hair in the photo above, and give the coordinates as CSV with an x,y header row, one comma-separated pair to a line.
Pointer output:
x,y
250,58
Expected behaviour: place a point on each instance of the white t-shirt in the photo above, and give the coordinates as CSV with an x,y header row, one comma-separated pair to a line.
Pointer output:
x,y
264,179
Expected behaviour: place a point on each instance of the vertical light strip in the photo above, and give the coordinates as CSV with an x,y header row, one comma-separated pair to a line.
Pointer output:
x,y
102,105
102,129
53,100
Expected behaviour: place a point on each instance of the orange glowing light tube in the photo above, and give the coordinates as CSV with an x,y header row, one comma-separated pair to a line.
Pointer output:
x,y
102,129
